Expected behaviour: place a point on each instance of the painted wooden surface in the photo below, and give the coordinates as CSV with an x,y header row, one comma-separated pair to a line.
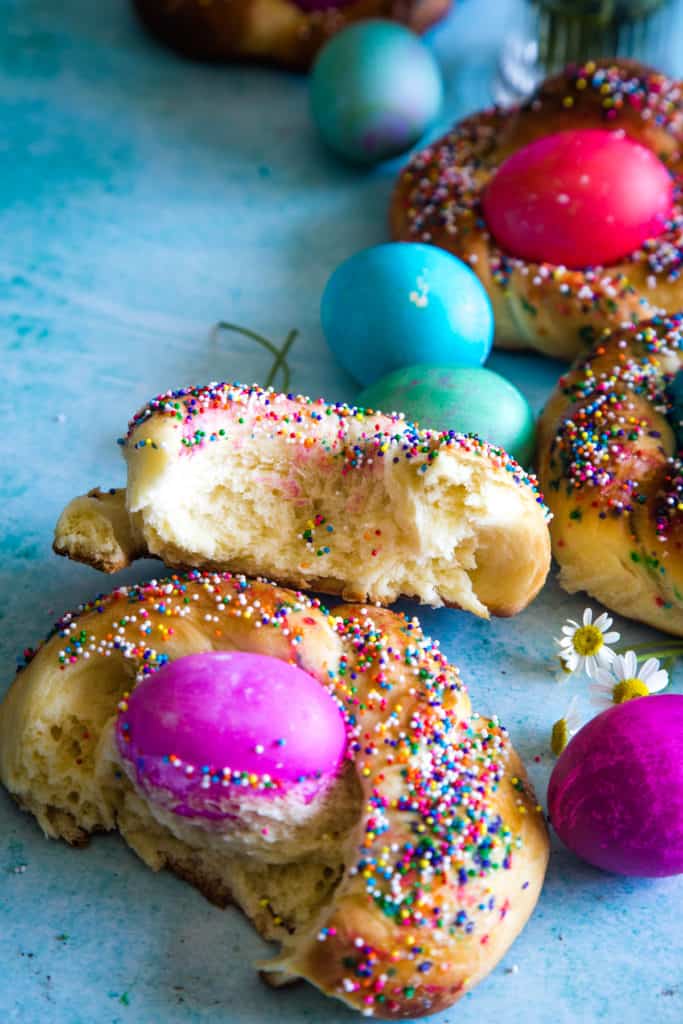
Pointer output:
x,y
142,199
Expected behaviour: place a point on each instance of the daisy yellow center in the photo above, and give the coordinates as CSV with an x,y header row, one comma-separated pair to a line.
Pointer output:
x,y
627,689
560,737
587,640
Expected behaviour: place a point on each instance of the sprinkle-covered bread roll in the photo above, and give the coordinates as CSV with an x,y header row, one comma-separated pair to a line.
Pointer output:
x,y
445,196
342,500
394,862
609,458
288,32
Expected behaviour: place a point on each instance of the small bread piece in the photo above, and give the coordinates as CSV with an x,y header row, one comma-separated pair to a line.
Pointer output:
x,y
410,877
278,31
543,306
610,464
96,529
328,497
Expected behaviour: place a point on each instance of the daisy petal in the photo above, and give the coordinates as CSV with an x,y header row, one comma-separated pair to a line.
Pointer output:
x,y
630,664
611,638
659,681
603,659
572,715
647,669
589,666
603,621
604,677
587,616
600,697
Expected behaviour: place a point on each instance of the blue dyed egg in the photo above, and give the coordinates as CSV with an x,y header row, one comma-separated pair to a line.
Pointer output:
x,y
403,303
375,89
471,400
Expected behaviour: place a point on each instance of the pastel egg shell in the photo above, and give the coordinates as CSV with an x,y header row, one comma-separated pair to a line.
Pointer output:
x,y
616,793
467,400
402,303
374,90
251,713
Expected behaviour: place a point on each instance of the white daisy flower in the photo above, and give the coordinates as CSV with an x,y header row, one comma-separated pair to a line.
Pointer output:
x,y
565,727
623,680
586,646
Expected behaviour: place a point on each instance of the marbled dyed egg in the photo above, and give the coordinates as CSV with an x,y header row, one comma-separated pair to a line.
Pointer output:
x,y
616,794
471,401
404,303
206,726
578,198
375,89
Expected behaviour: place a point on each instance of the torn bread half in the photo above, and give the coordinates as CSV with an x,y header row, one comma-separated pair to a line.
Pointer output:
x,y
339,499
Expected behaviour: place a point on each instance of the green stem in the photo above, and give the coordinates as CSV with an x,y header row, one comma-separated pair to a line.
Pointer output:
x,y
675,647
223,325
279,354
281,362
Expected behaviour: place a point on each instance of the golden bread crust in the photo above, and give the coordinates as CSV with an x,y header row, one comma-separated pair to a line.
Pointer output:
x,y
559,312
607,458
446,856
277,31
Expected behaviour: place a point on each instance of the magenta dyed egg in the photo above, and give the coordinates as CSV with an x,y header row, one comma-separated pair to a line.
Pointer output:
x,y
206,727
616,794
578,199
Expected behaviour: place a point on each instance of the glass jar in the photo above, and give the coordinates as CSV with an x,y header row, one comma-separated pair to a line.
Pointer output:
x,y
545,35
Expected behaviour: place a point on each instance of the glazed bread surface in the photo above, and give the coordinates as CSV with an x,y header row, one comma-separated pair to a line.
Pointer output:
x,y
395,891
321,496
609,461
279,31
542,306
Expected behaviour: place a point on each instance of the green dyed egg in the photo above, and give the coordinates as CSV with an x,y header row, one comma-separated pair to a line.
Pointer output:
x,y
468,400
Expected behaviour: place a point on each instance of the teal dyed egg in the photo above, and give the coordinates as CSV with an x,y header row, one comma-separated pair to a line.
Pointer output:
x,y
468,400
375,88
403,303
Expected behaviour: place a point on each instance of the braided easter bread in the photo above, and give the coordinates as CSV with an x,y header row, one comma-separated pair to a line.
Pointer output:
x,y
438,199
288,32
609,461
397,888
328,497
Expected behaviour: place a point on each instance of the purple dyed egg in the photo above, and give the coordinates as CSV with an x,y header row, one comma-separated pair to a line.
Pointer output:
x,y
616,794
207,727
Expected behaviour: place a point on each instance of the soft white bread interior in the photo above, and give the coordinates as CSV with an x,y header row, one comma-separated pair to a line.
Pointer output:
x,y
406,881
328,497
96,528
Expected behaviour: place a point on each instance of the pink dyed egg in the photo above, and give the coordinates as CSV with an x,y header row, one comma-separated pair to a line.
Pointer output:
x,y
578,199
616,794
206,727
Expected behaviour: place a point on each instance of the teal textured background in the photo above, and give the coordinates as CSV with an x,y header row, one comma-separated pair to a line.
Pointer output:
x,y
142,199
